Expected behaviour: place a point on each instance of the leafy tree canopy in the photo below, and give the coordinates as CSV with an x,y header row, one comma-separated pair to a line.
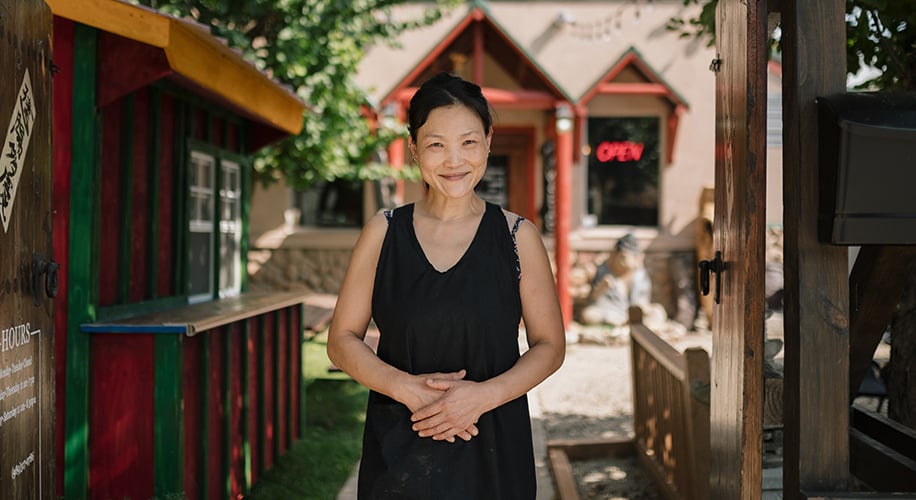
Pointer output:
x,y
880,34
314,47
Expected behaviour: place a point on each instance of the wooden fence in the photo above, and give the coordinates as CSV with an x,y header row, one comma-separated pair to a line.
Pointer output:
x,y
670,417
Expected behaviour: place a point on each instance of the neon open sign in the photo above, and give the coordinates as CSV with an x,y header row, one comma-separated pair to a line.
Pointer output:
x,y
621,151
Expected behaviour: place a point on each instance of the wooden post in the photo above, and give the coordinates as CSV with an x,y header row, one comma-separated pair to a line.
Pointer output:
x,y
564,211
736,413
817,292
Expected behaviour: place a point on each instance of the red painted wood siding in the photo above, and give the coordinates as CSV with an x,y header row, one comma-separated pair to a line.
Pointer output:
x,y
268,396
62,123
216,452
283,389
140,200
168,166
193,406
110,229
121,417
236,341
255,367
295,372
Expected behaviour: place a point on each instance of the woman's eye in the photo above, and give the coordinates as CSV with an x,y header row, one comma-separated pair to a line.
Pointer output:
x,y
469,142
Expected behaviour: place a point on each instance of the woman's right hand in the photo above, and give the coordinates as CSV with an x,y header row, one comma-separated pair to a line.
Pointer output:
x,y
419,394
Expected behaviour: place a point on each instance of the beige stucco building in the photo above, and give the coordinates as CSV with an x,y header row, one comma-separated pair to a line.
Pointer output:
x,y
642,102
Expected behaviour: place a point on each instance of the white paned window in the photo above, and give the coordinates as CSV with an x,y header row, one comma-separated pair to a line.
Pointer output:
x,y
202,184
230,229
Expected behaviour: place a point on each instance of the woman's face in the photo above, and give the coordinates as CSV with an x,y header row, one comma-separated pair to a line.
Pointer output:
x,y
452,150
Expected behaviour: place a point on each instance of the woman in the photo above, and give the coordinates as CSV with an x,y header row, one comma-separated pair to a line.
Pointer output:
x,y
451,276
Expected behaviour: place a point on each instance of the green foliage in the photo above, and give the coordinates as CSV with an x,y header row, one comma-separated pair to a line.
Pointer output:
x,y
882,34
314,47
879,34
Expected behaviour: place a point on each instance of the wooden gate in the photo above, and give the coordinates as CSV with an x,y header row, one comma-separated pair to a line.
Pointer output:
x,y
27,272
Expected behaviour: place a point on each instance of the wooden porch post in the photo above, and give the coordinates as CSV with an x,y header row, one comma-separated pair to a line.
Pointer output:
x,y
816,284
736,367
564,153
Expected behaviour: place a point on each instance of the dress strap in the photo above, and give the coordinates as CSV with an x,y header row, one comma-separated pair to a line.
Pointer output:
x,y
388,215
518,264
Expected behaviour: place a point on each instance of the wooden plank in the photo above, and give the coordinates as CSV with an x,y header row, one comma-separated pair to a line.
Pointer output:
x,y
121,417
82,264
63,155
563,475
140,252
193,405
884,430
245,415
697,438
655,470
202,316
154,179
591,448
268,357
660,351
880,466
739,233
167,226
875,286
110,141
126,196
181,195
168,431
816,280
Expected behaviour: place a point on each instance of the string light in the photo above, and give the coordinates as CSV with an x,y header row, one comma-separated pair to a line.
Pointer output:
x,y
604,29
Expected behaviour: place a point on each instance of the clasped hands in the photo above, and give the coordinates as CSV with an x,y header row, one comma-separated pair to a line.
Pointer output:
x,y
444,406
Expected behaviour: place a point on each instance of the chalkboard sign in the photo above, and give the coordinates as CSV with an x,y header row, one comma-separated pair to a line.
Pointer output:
x,y
27,274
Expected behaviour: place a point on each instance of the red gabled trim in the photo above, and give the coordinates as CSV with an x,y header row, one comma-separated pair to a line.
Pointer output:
x,y
654,85
432,56
657,89
478,53
476,15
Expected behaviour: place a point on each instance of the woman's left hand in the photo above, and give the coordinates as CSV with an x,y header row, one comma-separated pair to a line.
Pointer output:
x,y
458,409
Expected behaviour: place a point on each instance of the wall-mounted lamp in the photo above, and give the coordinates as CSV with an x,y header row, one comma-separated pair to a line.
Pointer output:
x,y
564,118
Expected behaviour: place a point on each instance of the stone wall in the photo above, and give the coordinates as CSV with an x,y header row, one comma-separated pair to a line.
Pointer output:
x,y
313,270
673,274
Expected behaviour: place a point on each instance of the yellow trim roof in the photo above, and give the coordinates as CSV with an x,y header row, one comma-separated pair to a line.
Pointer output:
x,y
195,54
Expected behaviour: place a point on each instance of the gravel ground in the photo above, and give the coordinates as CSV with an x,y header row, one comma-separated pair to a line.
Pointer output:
x,y
591,397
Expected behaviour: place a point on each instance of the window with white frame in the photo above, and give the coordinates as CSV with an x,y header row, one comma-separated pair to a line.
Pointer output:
x,y
623,170
215,224
230,229
202,185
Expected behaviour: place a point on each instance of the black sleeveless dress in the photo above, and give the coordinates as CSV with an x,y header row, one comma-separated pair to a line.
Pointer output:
x,y
430,321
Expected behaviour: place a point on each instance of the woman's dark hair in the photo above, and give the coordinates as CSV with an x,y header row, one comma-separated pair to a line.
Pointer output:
x,y
446,90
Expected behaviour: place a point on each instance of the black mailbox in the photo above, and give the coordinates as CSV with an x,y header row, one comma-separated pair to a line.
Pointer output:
x,y
867,151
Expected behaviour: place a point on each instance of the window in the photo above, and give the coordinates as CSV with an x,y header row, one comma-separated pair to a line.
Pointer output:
x,y
623,169
202,172
230,229
215,184
337,203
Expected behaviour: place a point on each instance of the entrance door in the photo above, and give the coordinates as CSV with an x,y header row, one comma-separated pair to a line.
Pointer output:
x,y
27,276
736,414
511,170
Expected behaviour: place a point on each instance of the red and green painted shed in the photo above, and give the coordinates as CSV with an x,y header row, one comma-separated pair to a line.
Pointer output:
x,y
171,379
